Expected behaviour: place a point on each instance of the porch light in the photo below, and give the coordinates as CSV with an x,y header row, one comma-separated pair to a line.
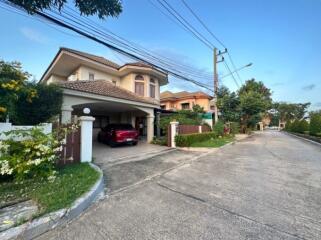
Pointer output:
x,y
86,110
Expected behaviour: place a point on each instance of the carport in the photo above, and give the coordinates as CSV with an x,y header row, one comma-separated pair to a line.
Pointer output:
x,y
108,104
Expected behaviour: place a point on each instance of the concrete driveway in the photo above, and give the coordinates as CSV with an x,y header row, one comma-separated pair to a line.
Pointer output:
x,y
104,154
267,186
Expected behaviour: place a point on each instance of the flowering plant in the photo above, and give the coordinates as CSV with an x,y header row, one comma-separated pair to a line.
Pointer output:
x,y
28,153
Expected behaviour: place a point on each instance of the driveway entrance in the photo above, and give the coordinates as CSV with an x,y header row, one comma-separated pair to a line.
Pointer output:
x,y
105,155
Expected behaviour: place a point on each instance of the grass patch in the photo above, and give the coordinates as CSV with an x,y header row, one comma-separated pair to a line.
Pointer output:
x,y
213,143
71,182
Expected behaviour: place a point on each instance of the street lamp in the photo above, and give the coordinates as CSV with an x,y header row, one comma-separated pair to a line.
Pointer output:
x,y
236,70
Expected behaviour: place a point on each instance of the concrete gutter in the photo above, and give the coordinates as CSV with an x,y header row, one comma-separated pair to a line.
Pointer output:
x,y
302,138
49,221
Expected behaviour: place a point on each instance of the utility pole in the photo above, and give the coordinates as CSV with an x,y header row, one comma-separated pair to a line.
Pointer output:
x,y
215,57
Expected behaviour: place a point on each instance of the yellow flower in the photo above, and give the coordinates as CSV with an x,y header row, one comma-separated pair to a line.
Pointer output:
x,y
3,109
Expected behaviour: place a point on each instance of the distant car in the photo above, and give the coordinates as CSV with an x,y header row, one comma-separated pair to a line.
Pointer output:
x,y
117,134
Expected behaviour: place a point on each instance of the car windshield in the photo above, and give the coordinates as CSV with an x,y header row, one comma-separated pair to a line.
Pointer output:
x,y
120,127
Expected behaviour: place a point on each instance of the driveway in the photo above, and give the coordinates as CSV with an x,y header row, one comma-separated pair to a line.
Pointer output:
x,y
267,186
104,154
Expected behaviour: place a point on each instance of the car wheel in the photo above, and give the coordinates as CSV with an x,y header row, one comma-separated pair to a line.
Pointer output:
x,y
134,143
99,139
112,144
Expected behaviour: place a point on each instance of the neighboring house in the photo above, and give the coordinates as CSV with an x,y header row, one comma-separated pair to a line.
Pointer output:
x,y
115,94
185,100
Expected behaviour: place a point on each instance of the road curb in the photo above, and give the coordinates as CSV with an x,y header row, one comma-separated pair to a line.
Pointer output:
x,y
49,221
302,138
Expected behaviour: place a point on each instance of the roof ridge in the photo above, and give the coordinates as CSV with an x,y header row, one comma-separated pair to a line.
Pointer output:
x,y
90,55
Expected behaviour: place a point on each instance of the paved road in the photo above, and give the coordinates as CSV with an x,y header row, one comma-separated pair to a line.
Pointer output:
x,y
267,186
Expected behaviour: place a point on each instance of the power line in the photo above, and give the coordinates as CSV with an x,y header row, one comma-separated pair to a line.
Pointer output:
x,y
131,48
81,31
167,61
212,34
185,23
228,68
203,24
12,10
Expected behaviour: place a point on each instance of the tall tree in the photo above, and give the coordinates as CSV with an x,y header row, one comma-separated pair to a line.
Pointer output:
x,y
13,81
291,111
255,100
102,8
228,104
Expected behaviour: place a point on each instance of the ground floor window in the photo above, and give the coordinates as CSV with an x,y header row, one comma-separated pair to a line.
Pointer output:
x,y
185,106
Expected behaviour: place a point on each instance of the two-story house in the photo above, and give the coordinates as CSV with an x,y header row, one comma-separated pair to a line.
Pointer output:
x,y
185,100
115,94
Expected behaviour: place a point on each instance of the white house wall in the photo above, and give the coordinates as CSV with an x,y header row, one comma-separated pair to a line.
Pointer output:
x,y
55,78
84,71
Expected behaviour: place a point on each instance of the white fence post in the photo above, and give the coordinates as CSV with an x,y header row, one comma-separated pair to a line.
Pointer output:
x,y
86,139
200,129
174,131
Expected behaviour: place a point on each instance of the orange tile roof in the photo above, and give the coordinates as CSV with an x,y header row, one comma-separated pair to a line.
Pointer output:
x,y
105,88
167,95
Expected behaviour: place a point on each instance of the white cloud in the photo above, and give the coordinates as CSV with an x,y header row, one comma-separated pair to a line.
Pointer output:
x,y
34,35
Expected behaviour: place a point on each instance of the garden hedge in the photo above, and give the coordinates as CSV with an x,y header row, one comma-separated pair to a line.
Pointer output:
x,y
315,125
186,140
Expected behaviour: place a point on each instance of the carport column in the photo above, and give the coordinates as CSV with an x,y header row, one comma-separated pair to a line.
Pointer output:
x,y
158,130
86,138
174,130
150,127
66,114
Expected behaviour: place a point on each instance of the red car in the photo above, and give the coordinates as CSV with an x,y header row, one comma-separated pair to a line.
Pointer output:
x,y
116,134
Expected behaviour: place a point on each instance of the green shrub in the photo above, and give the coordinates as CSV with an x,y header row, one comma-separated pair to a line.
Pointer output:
x,y
31,153
295,126
186,140
234,128
288,126
28,153
160,141
302,127
315,124
219,128
184,117
43,107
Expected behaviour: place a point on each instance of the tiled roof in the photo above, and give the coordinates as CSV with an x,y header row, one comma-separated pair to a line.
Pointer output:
x,y
93,57
106,61
105,88
184,94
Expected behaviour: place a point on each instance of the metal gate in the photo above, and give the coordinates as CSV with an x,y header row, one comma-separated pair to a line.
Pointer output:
x,y
70,151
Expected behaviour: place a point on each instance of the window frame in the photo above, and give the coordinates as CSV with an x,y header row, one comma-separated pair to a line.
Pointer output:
x,y
185,104
139,80
152,84
91,74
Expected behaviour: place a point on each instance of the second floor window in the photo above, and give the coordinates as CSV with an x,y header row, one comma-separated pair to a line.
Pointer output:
x,y
139,85
91,76
152,88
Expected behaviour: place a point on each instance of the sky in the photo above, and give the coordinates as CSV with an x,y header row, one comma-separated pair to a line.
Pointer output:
x,y
281,38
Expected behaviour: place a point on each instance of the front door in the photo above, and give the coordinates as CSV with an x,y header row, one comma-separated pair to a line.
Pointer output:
x,y
140,126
